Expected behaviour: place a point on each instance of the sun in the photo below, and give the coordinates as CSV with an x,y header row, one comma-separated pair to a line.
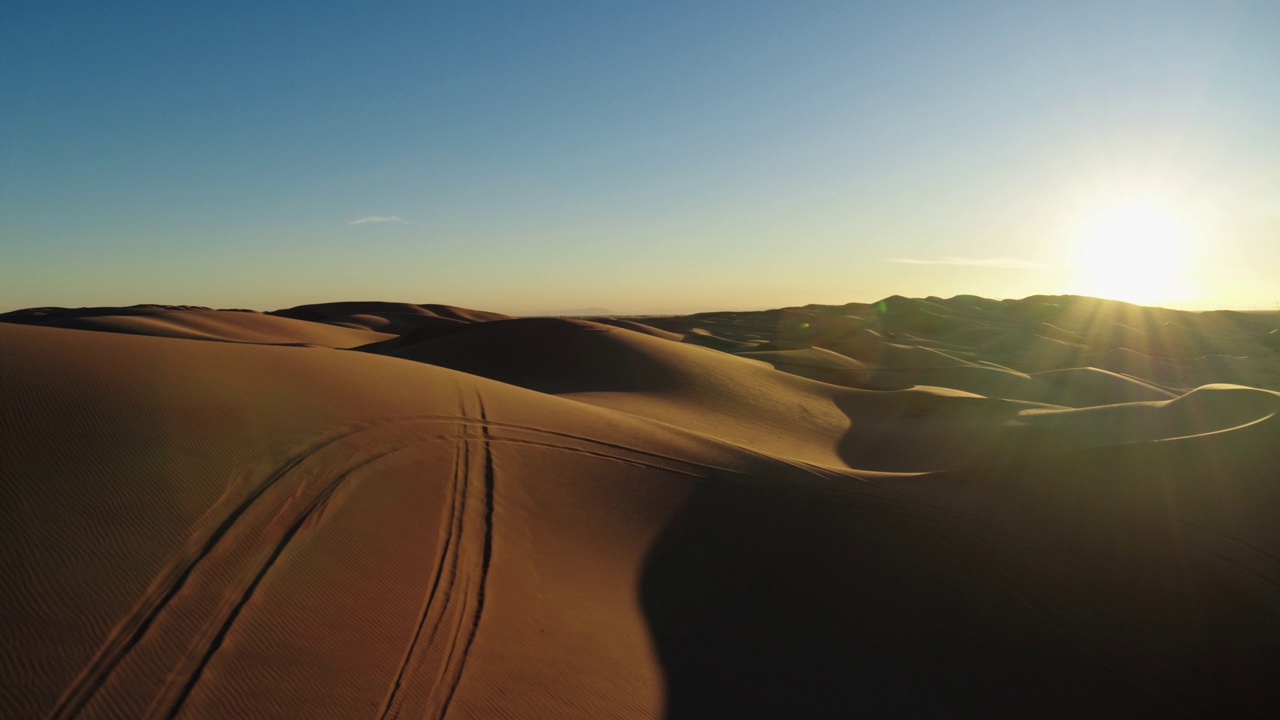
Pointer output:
x,y
1137,251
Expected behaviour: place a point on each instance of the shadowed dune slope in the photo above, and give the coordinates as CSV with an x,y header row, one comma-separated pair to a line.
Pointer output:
x,y
1037,334
387,317
545,518
1074,387
1131,581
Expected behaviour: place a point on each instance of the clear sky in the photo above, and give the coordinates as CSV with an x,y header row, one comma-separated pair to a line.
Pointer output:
x,y
637,156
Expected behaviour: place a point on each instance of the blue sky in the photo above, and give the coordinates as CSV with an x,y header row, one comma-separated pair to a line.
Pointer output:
x,y
639,157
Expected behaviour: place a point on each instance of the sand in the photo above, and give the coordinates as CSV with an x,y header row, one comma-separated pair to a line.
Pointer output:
x,y
1049,507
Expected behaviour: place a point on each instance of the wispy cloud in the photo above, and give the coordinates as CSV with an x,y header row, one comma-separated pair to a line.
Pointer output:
x,y
997,262
378,219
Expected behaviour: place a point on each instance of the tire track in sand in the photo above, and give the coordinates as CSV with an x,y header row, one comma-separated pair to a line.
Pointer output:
x,y
428,677
486,554
151,663
430,611
320,498
130,632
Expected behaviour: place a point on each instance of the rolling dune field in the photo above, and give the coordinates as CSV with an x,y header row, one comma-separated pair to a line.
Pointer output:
x,y
1049,507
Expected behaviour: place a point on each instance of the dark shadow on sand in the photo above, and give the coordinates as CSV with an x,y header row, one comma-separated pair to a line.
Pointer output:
x,y
805,603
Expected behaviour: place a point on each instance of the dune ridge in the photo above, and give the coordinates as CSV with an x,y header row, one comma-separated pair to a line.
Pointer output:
x,y
1050,507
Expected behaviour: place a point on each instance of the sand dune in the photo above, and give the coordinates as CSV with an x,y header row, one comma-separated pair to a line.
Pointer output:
x,y
396,318
198,324
1051,507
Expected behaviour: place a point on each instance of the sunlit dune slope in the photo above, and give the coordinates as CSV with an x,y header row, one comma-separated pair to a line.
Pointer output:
x,y
197,324
232,530
480,516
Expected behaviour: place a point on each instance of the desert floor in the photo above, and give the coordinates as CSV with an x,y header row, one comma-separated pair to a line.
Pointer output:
x,y
1048,507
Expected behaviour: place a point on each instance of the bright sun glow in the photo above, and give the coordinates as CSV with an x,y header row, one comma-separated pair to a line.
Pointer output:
x,y
1138,252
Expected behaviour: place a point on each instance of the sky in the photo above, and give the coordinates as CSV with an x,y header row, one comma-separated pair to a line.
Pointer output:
x,y
638,157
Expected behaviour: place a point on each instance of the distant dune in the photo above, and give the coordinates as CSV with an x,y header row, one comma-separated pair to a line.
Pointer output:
x,y
1050,507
